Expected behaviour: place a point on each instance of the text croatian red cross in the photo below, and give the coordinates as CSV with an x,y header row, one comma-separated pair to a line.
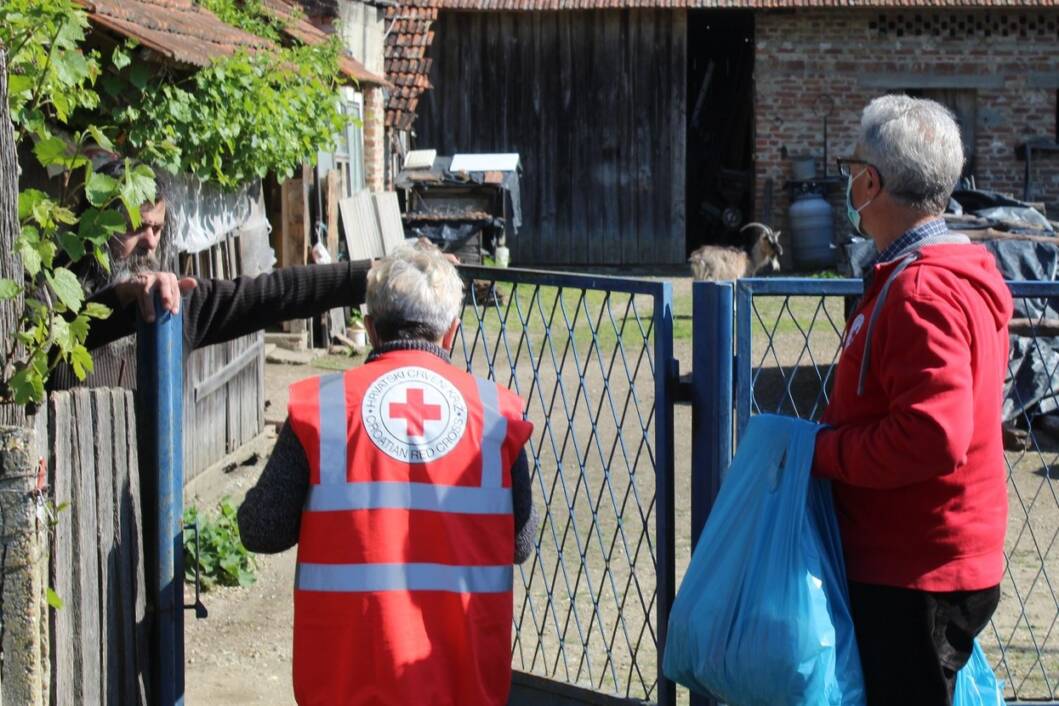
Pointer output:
x,y
415,411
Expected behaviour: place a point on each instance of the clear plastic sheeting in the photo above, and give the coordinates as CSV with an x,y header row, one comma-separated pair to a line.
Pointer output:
x,y
201,214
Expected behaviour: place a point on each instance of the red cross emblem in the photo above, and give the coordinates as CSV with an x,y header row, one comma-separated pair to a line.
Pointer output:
x,y
415,411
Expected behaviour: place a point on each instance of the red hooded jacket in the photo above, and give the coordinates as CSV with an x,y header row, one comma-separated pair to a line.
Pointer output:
x,y
915,451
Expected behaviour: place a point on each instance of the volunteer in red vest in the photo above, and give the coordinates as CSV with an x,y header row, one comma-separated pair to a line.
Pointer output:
x,y
915,448
405,486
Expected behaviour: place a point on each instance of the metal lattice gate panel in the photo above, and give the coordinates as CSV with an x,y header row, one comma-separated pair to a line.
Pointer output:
x,y
592,358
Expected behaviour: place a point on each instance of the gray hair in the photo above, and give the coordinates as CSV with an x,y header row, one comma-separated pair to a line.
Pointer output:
x,y
415,292
915,144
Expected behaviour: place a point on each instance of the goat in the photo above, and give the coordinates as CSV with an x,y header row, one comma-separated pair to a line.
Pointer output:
x,y
718,263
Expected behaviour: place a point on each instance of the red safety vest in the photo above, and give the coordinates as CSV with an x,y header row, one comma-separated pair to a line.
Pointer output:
x,y
403,588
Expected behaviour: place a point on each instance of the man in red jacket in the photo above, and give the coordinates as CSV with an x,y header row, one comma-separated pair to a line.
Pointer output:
x,y
914,445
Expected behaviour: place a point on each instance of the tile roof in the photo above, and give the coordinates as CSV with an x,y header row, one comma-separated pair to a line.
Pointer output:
x,y
538,5
186,33
407,65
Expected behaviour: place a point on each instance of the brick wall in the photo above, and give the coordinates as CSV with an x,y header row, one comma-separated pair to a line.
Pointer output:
x,y
1010,59
374,139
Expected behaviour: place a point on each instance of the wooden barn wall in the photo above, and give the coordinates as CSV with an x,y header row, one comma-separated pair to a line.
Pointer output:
x,y
595,104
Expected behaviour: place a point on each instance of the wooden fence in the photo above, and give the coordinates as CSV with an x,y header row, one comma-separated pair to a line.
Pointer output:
x,y
224,384
100,637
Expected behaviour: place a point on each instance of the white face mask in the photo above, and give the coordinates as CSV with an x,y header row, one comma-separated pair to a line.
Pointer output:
x,y
852,212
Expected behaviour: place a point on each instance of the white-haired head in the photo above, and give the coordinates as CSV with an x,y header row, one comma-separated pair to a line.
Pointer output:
x,y
915,144
415,293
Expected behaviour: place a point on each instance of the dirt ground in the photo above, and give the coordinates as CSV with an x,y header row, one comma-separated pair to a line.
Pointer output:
x,y
592,622
241,654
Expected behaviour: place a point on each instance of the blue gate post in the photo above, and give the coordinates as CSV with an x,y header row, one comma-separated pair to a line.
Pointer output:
x,y
711,404
666,378
160,380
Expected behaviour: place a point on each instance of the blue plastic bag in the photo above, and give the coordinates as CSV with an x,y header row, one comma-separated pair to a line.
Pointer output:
x,y
976,685
762,616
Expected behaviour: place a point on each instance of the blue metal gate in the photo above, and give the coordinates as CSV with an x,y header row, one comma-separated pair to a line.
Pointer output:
x,y
593,358
786,338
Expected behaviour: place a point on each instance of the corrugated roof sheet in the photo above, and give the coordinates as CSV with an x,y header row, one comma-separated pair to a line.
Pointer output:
x,y
407,64
186,33
538,5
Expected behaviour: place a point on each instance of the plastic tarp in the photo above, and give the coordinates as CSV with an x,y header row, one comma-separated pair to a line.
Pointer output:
x,y
202,214
1034,362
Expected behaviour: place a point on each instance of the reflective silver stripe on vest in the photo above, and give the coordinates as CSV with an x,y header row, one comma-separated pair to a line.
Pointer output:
x,y
494,430
355,578
332,429
410,496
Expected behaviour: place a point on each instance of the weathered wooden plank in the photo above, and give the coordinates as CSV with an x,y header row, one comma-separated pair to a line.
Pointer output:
x,y
124,639
10,264
643,44
608,32
136,552
678,81
360,226
63,631
85,601
388,213
110,609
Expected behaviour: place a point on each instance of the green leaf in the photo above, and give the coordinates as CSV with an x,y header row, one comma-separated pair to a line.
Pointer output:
x,y
70,67
120,58
9,289
50,151
139,184
78,330
53,599
61,335
72,245
28,201
103,259
27,385
81,361
102,140
19,84
63,215
30,257
95,310
98,226
65,285
100,188
139,74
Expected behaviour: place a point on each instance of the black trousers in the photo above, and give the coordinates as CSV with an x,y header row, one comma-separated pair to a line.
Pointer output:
x,y
912,643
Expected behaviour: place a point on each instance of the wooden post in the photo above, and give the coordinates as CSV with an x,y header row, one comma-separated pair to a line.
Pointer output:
x,y
10,263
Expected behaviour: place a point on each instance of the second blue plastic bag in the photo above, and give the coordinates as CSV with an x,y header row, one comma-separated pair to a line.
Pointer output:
x,y
762,616
976,685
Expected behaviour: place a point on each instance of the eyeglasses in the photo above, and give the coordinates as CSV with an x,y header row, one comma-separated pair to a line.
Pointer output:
x,y
845,166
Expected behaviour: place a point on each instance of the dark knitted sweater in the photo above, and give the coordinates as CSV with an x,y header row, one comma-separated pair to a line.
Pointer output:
x,y
218,310
270,517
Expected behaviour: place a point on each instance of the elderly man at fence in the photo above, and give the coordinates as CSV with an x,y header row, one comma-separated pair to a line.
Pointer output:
x,y
215,310
914,447
405,485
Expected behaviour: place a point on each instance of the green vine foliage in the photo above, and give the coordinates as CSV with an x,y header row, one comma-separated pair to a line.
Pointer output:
x,y
51,81
234,121
237,119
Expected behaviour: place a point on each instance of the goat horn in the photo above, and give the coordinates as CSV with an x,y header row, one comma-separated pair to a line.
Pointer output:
x,y
759,225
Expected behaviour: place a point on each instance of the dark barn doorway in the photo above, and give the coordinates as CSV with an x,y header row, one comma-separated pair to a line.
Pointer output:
x,y
720,129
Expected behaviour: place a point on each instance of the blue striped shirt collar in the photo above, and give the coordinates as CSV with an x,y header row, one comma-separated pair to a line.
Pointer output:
x,y
910,238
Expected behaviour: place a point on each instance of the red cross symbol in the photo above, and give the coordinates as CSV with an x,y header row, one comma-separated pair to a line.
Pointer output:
x,y
415,411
